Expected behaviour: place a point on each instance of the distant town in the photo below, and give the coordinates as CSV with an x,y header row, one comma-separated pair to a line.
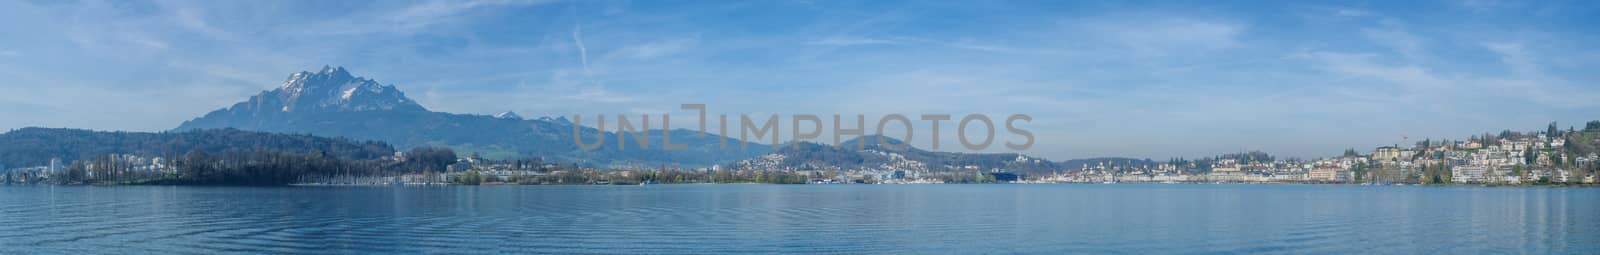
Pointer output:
x,y
1549,157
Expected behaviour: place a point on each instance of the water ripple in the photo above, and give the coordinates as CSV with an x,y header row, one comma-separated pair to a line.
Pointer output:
x,y
847,219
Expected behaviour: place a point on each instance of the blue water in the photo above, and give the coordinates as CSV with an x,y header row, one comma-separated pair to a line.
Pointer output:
x,y
809,219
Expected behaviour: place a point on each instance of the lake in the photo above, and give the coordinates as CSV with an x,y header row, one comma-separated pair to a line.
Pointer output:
x,y
802,219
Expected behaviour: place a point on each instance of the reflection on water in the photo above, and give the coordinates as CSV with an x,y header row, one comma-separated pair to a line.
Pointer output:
x,y
697,219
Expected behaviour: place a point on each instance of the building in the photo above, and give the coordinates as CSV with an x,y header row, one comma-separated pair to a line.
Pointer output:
x,y
1326,173
1386,153
55,166
1468,174
1228,165
1005,177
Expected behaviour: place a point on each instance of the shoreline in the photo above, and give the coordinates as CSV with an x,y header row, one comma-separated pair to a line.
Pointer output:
x,y
1560,185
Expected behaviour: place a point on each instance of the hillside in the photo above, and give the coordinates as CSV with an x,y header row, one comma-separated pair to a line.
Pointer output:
x,y
866,153
36,146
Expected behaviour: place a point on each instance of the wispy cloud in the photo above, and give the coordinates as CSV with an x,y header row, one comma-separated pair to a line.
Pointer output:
x,y
1395,37
852,41
1513,56
1479,5
1365,67
408,19
1161,35
583,50
1351,12
655,49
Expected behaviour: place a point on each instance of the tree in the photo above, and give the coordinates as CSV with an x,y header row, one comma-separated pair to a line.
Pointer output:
x,y
76,173
430,159
1518,171
1529,156
1359,172
470,178
1593,125
1552,131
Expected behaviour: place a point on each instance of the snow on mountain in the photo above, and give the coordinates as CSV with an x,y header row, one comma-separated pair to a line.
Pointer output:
x,y
334,89
508,115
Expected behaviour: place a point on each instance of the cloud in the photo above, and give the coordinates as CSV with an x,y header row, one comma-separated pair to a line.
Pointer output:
x,y
1366,66
1162,35
1479,5
655,49
193,19
1513,56
583,50
1528,79
581,89
383,18
1524,84
433,12
852,41
1351,12
1395,37
599,94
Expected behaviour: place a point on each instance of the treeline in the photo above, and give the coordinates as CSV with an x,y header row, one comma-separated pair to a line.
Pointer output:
x,y
1204,165
250,167
36,146
589,176
863,152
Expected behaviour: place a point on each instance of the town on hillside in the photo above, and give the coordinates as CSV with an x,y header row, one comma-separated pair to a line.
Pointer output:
x,y
1551,156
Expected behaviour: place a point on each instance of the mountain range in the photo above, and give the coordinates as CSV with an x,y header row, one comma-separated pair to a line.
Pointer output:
x,y
332,102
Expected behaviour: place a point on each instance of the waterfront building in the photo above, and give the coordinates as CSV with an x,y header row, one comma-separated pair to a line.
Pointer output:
x,y
1225,168
1468,174
1386,153
1325,173
55,166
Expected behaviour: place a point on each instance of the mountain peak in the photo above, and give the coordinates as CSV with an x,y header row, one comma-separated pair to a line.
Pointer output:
x,y
508,115
331,69
335,89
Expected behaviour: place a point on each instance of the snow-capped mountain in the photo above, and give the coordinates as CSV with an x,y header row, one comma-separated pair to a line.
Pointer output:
x,y
332,89
334,103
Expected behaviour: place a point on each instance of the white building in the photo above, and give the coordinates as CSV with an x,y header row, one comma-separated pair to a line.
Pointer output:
x,y
55,166
1468,174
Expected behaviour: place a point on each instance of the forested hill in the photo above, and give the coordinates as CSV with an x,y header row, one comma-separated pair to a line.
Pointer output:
x,y
36,146
866,153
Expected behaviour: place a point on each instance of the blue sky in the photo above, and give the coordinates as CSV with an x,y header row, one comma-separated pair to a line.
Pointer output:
x,y
1111,78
